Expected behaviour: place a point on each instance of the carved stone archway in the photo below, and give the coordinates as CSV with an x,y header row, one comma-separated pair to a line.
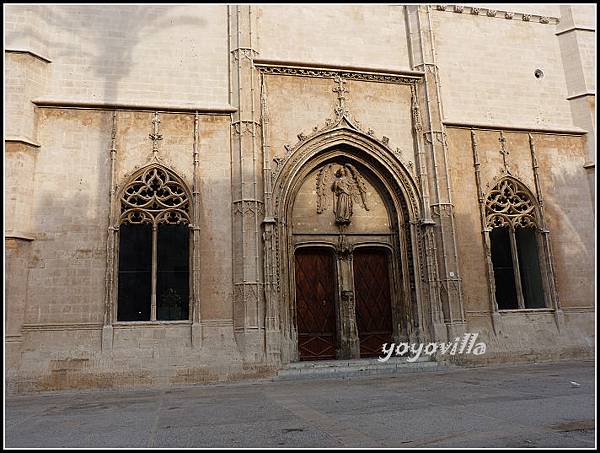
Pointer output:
x,y
342,141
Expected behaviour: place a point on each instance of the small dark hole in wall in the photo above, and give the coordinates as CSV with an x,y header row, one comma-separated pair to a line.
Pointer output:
x,y
539,74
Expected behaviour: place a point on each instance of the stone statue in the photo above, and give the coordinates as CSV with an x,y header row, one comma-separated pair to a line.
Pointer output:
x,y
342,188
349,186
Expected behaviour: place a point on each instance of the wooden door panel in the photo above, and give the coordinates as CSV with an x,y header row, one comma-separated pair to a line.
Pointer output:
x,y
373,300
315,304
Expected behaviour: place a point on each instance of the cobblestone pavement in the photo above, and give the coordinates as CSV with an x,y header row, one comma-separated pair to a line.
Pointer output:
x,y
537,405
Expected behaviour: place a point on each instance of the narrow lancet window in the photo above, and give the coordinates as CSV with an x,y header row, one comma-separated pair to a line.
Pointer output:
x,y
154,248
511,218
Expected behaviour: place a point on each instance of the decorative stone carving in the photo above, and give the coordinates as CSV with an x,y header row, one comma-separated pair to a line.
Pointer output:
x,y
155,136
474,10
342,119
509,204
415,110
341,91
505,153
245,127
245,207
332,74
348,186
155,196
244,52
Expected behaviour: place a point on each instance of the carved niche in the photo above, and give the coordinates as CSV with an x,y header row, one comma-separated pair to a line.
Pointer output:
x,y
339,195
348,187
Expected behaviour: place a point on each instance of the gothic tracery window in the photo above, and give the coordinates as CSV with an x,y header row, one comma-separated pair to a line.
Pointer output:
x,y
154,248
511,218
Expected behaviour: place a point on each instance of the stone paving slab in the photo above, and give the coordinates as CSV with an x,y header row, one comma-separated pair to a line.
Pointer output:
x,y
532,405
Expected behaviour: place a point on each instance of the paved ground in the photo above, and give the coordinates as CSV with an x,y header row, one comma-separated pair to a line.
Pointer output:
x,y
508,406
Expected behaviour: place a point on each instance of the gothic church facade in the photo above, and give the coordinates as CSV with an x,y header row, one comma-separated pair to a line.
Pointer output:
x,y
200,193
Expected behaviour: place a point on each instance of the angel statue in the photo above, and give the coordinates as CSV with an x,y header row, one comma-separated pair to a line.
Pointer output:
x,y
349,186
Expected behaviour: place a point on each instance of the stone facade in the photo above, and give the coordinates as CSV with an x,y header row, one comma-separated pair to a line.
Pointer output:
x,y
251,106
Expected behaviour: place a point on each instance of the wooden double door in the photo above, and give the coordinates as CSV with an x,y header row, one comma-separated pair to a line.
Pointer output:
x,y
318,299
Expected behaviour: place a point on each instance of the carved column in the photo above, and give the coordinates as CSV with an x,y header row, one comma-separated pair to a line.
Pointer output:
x,y
109,309
548,264
247,190
349,344
272,339
423,57
195,227
485,232
433,319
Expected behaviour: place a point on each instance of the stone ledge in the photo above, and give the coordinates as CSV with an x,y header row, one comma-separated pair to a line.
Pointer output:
x,y
50,102
316,68
506,127
11,234
21,139
575,28
29,52
61,326
581,95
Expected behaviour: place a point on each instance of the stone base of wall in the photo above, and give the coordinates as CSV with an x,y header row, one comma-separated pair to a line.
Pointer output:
x,y
530,337
155,356
74,379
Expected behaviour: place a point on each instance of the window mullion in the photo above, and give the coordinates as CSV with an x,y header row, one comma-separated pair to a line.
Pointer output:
x,y
154,270
517,270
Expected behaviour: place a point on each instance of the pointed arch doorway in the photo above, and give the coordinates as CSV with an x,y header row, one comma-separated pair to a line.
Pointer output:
x,y
351,279
380,209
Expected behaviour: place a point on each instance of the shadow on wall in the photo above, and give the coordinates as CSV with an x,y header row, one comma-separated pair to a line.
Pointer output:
x,y
102,39
99,42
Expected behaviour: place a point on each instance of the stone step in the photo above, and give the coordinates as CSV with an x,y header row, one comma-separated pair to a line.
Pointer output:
x,y
354,368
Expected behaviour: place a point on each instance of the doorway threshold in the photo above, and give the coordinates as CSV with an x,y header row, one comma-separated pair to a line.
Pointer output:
x,y
354,367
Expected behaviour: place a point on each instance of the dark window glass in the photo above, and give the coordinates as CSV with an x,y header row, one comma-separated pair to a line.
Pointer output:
x,y
504,275
172,297
135,272
529,267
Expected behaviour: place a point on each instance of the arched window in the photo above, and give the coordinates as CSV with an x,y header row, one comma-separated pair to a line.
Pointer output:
x,y
154,248
512,219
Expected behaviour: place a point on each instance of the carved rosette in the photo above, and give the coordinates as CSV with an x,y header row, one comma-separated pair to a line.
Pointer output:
x,y
155,196
509,205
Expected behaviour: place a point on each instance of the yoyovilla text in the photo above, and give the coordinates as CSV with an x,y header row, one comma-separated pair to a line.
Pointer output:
x,y
466,345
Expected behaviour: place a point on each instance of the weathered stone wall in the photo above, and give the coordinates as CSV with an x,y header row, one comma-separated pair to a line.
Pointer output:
x,y
487,69
568,213
56,296
354,35
139,53
382,107
80,63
